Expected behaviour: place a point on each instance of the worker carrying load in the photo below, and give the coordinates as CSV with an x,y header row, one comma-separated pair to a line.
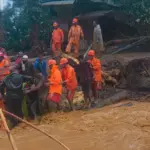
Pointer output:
x,y
55,84
4,67
74,36
97,76
57,39
69,80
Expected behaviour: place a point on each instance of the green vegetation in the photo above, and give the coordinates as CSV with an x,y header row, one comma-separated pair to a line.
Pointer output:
x,y
27,24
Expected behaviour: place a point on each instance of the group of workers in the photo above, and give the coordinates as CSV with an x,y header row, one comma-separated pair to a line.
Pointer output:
x,y
74,36
42,82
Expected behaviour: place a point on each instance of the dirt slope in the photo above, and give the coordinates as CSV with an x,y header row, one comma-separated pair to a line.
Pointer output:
x,y
110,128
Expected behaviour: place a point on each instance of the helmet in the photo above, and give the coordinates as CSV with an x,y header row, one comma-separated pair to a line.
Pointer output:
x,y
25,57
91,53
63,61
1,54
55,24
75,20
51,62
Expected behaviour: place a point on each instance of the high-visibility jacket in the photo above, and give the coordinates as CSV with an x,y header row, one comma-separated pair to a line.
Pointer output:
x,y
57,36
69,77
55,80
96,67
75,33
4,68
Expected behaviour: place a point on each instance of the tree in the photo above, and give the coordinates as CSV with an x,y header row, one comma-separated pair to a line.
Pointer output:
x,y
26,23
138,8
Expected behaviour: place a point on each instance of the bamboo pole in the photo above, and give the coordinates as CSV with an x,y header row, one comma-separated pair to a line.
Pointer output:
x,y
34,127
11,139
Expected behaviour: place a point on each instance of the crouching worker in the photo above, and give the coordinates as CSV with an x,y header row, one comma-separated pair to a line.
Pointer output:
x,y
69,80
55,84
97,76
13,85
85,76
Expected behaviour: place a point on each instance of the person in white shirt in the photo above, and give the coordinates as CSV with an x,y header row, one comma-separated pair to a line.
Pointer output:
x,y
98,44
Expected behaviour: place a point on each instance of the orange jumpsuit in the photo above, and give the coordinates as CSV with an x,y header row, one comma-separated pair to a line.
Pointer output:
x,y
97,76
70,80
57,39
55,89
74,36
4,68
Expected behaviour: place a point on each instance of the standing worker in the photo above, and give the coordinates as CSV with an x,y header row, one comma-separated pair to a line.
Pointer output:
x,y
4,67
85,75
98,43
97,76
19,58
74,36
69,80
25,67
13,84
54,83
57,39
40,65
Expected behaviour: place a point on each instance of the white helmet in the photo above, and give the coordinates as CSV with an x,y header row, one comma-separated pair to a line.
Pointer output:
x,y
25,57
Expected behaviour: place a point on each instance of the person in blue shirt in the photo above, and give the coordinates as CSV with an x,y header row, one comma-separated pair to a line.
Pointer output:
x,y
41,65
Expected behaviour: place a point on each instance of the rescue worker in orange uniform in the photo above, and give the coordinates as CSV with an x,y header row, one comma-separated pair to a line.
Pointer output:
x,y
4,67
97,76
74,36
69,80
54,83
57,39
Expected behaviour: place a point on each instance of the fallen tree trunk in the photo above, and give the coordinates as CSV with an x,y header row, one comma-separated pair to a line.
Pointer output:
x,y
123,94
124,41
131,45
70,57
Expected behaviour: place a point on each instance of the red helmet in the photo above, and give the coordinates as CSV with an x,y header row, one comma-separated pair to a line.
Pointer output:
x,y
51,62
1,54
91,53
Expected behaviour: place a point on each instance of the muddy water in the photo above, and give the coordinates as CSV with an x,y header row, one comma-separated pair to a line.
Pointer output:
x,y
109,128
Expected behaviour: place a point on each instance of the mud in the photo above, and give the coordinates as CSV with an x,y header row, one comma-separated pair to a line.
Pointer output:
x,y
119,126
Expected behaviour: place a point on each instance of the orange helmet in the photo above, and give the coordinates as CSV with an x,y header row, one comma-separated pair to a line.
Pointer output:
x,y
55,24
51,62
63,61
91,53
75,20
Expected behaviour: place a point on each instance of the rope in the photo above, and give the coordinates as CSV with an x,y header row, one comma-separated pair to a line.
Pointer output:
x,y
31,125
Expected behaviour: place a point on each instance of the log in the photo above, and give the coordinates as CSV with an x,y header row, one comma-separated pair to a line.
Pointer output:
x,y
34,127
12,141
131,45
123,41
123,94
70,57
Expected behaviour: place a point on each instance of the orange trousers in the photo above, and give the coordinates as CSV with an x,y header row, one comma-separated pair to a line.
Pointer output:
x,y
56,48
75,47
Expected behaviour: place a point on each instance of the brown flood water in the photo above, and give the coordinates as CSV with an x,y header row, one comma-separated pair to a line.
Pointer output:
x,y
109,128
